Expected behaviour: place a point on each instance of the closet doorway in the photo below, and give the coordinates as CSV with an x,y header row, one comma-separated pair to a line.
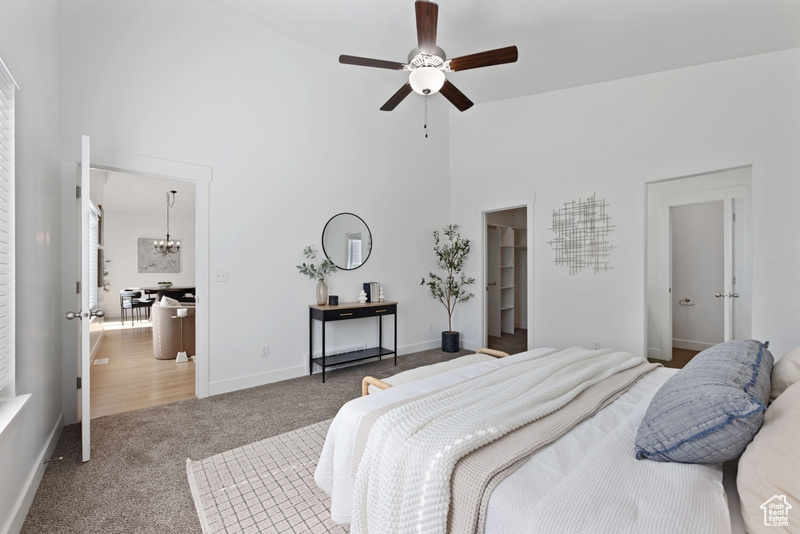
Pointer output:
x,y
506,254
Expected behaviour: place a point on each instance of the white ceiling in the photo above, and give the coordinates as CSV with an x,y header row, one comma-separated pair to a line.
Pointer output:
x,y
145,195
562,43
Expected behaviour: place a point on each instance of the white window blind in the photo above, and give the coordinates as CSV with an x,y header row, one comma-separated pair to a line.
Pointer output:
x,y
7,93
94,227
353,250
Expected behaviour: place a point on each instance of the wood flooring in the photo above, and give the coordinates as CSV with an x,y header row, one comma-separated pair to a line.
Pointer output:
x,y
133,379
680,357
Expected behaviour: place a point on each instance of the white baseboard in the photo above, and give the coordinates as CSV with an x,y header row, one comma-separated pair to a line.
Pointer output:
x,y
96,347
260,379
687,344
34,479
419,347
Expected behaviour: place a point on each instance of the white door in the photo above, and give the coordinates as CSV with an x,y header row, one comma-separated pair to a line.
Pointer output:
x,y
86,313
493,281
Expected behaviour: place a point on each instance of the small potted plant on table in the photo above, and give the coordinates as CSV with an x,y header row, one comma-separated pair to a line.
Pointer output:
x,y
451,288
317,271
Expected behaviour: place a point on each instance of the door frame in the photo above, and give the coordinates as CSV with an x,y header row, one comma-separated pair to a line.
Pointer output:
x,y
481,296
723,186
111,160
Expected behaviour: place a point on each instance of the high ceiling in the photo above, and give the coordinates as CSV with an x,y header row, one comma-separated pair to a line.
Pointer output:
x,y
562,43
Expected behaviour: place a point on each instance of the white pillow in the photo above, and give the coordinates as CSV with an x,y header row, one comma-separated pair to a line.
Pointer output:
x,y
166,301
769,469
785,373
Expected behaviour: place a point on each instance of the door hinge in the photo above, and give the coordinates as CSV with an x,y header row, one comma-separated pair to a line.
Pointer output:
x,y
79,382
77,287
734,217
77,191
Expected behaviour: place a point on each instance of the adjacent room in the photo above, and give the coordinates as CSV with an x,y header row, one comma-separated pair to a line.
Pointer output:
x,y
135,360
237,230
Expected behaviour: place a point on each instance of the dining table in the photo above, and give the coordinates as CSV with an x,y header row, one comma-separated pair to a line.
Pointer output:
x,y
160,289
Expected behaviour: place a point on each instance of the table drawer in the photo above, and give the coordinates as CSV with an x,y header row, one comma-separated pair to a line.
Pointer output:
x,y
347,313
372,311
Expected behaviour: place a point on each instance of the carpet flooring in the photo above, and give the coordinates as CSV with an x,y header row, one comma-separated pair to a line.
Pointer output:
x,y
136,481
510,343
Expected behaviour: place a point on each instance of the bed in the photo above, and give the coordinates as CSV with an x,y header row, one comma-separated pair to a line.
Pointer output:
x,y
586,478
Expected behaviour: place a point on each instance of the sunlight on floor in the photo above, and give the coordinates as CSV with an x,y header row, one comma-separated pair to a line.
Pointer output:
x,y
117,325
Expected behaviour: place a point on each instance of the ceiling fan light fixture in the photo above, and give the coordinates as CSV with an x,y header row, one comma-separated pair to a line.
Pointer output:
x,y
426,80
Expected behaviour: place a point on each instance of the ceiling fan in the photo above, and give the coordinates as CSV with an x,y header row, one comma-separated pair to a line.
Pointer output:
x,y
427,63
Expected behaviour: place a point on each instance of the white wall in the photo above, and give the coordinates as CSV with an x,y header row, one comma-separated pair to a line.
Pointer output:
x,y
29,47
612,139
292,139
697,274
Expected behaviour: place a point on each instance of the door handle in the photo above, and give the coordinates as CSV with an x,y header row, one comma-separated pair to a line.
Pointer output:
x,y
78,315
719,295
734,295
492,283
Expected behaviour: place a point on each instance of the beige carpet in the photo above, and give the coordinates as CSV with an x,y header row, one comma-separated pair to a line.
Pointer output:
x,y
136,481
264,487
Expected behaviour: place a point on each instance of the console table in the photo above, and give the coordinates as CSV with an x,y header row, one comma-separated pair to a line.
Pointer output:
x,y
344,312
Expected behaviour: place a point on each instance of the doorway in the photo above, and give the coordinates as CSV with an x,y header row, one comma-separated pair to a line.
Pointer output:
x,y
698,266
111,160
125,374
698,263
506,303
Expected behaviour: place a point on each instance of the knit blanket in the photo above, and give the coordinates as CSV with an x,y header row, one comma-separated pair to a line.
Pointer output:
x,y
403,479
477,474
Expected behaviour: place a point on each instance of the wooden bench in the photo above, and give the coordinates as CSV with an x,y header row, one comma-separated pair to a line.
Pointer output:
x,y
371,384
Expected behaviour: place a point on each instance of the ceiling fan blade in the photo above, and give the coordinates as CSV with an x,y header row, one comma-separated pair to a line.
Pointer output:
x,y
456,97
367,62
485,59
397,98
427,19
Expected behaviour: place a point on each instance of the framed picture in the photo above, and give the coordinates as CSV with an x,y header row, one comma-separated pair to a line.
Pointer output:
x,y
152,261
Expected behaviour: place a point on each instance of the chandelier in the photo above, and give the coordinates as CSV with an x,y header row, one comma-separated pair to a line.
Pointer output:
x,y
168,246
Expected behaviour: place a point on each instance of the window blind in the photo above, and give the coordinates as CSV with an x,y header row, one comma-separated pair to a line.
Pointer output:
x,y
94,228
353,250
7,93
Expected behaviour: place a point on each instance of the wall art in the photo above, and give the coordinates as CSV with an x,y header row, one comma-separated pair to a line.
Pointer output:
x,y
152,261
581,228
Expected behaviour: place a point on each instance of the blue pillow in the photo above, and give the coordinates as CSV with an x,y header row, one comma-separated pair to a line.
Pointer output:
x,y
710,410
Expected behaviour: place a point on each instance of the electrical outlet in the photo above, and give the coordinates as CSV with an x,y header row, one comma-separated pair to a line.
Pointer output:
x,y
430,325
264,351
596,345
220,276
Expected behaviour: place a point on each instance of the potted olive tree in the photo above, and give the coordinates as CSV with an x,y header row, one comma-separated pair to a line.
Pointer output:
x,y
452,287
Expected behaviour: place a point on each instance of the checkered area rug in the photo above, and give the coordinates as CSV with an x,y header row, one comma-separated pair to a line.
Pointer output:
x,y
264,487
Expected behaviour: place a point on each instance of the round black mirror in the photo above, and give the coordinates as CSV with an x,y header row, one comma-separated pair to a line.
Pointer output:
x,y
347,241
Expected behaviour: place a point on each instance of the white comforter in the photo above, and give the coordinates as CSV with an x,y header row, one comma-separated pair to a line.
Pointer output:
x,y
588,479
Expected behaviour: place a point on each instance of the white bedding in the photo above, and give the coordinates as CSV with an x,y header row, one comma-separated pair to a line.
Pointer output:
x,y
586,479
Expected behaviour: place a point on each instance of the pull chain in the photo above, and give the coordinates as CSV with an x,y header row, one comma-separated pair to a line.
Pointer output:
x,y
426,116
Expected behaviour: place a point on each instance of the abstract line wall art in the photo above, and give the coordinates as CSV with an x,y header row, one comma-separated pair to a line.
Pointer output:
x,y
581,230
